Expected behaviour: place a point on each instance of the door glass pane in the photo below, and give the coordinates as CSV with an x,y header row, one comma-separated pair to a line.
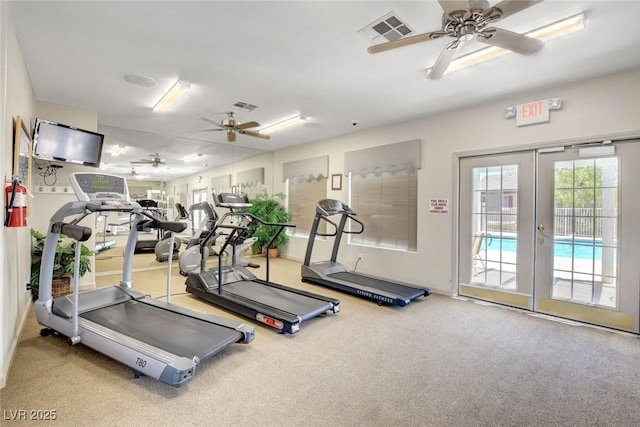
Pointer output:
x,y
585,231
495,220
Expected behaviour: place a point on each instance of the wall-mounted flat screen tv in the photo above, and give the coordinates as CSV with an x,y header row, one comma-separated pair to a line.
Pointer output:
x,y
62,143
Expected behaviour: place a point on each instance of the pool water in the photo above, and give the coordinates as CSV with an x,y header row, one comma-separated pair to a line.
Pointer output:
x,y
582,249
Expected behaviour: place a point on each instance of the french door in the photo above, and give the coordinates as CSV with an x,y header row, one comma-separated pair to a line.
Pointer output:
x,y
560,238
496,228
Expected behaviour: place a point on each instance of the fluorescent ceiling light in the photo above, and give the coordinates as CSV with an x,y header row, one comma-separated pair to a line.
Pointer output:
x,y
176,92
548,32
192,157
283,124
117,150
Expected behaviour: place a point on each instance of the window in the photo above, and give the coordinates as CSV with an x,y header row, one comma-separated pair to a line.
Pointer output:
x,y
306,182
302,199
250,182
384,194
199,195
221,184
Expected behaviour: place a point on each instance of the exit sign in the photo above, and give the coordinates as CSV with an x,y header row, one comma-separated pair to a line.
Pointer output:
x,y
532,113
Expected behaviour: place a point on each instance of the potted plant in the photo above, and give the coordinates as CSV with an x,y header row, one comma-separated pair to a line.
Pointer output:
x,y
63,264
269,209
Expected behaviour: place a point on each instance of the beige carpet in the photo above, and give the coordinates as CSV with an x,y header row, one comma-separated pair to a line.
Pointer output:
x,y
438,362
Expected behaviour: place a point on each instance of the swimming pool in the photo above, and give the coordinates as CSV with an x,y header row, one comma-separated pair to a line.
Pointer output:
x,y
563,247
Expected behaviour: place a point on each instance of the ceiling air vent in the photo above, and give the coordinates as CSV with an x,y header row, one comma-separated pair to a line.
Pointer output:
x,y
386,29
243,106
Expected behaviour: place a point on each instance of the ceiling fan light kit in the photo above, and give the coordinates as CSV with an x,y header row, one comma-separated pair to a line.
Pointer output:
x,y
176,92
465,20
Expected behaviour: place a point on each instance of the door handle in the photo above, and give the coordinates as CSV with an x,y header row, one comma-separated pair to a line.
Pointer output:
x,y
541,227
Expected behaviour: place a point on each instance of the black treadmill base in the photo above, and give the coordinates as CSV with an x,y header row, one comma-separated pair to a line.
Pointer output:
x,y
145,246
365,294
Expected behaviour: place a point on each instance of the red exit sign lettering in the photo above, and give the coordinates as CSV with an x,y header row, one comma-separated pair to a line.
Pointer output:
x,y
532,113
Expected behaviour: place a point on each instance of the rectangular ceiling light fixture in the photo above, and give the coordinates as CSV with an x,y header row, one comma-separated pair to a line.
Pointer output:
x,y
176,92
548,32
117,150
283,124
192,157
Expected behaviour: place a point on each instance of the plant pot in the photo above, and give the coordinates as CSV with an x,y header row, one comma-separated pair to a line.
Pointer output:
x,y
274,253
60,287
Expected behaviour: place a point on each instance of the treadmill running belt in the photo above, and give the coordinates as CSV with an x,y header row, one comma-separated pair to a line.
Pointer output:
x,y
172,332
300,305
383,285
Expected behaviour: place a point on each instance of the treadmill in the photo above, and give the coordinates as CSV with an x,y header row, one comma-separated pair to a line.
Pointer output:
x,y
235,288
147,246
334,275
154,338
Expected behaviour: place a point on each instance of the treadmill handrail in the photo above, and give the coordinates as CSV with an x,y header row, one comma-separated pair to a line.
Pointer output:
x,y
76,232
207,208
351,217
154,222
335,228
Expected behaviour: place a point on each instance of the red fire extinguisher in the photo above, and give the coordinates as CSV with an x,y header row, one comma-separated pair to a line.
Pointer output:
x,y
16,205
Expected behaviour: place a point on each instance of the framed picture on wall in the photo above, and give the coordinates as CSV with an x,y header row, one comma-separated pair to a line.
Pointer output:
x,y
22,152
336,181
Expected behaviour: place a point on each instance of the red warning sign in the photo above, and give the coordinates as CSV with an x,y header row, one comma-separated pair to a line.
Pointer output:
x,y
439,206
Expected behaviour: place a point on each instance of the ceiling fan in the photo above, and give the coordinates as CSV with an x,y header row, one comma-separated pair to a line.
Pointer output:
x,y
465,20
155,161
231,126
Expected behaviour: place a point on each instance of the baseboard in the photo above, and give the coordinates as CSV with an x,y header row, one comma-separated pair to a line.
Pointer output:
x,y
14,344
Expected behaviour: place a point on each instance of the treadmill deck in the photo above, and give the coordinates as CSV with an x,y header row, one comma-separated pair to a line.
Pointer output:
x,y
178,334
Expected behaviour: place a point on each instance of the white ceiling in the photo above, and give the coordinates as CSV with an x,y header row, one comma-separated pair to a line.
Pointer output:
x,y
286,57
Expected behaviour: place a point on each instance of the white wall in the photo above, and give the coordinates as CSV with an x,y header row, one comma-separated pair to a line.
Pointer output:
x,y
592,110
16,98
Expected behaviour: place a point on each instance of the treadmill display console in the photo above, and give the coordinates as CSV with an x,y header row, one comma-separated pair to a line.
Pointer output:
x,y
99,186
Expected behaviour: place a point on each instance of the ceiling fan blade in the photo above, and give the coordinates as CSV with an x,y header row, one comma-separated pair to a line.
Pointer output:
x,y
247,125
206,130
231,136
509,7
450,6
406,41
476,4
515,42
255,134
445,58
209,121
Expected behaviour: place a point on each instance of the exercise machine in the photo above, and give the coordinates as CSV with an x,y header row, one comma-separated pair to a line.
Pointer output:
x,y
162,247
154,338
237,203
334,275
190,259
148,245
102,219
237,289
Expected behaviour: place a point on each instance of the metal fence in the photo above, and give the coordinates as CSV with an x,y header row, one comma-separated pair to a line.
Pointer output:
x,y
585,222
